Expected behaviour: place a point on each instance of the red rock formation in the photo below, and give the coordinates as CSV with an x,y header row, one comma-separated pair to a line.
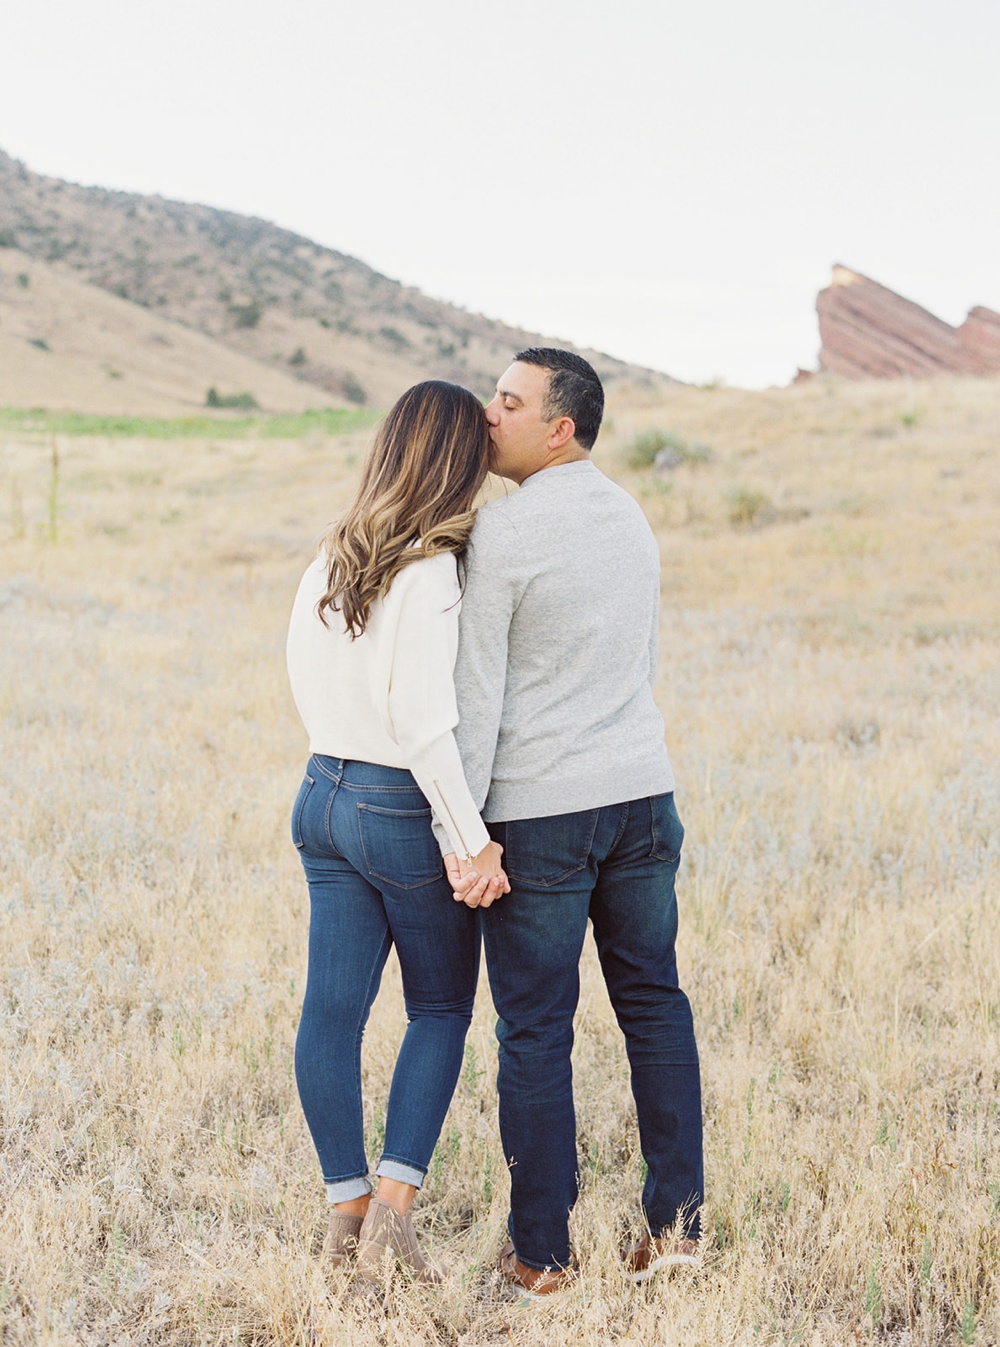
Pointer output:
x,y
870,332
979,338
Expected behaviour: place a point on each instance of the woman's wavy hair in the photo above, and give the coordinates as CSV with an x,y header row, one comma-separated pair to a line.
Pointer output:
x,y
420,479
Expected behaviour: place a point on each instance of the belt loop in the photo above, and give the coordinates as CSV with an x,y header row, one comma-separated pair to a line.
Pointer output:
x,y
331,768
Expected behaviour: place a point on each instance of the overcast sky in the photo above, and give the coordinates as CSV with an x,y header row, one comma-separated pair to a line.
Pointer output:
x,y
669,182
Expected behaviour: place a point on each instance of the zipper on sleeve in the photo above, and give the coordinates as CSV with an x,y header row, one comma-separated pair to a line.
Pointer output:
x,y
450,819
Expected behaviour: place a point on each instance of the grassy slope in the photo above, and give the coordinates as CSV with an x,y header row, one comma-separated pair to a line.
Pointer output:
x,y
103,355
829,683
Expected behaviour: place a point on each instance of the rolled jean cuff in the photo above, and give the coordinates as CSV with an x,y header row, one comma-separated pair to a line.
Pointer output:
x,y
346,1190
402,1173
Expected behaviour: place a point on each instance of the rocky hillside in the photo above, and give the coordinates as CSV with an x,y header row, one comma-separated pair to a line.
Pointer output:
x,y
870,332
319,315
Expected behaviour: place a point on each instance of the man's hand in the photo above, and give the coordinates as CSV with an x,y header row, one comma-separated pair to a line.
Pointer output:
x,y
480,883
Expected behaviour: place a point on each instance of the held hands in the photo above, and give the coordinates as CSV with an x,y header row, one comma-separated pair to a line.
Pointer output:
x,y
480,883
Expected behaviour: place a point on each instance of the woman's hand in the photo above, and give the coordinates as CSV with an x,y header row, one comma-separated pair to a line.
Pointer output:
x,y
481,882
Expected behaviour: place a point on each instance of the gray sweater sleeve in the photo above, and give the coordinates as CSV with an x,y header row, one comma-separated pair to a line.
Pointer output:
x,y
489,599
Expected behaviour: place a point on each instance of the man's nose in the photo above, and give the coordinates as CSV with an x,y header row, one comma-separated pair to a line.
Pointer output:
x,y
493,412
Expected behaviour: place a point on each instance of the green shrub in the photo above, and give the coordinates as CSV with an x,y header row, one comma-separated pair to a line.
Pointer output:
x,y
298,356
40,342
394,337
246,315
353,390
23,279
698,453
245,402
644,449
8,239
749,509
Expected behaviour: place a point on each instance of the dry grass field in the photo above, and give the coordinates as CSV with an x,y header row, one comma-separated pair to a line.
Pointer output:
x,y
831,685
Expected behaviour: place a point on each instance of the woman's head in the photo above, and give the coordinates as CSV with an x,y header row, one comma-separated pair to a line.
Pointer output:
x,y
430,455
420,480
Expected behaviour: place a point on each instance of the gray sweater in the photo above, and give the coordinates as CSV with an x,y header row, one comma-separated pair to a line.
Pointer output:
x,y
557,650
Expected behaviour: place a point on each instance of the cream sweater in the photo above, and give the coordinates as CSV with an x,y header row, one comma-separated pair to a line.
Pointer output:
x,y
389,696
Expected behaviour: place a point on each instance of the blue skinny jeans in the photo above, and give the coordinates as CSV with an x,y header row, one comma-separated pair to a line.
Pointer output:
x,y
615,866
376,879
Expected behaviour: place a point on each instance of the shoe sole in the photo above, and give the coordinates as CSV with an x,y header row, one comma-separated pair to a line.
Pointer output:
x,y
525,1294
664,1261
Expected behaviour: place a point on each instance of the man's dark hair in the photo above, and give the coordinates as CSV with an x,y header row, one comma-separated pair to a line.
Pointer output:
x,y
574,390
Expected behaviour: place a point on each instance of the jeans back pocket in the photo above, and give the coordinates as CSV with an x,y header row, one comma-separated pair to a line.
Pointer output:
x,y
544,852
399,846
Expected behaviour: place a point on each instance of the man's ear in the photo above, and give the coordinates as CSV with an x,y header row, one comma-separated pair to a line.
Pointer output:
x,y
561,433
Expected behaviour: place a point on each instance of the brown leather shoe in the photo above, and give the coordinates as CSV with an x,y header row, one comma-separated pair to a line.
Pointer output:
x,y
653,1252
531,1281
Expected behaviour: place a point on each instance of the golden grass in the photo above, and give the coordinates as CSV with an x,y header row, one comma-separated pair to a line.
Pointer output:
x,y
830,685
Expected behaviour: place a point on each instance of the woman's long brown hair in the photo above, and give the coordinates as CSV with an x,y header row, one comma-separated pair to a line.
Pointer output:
x,y
419,482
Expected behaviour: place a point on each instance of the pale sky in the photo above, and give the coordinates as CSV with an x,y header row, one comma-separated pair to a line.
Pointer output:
x,y
668,182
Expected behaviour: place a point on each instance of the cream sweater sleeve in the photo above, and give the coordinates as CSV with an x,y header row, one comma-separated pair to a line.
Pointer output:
x,y
414,690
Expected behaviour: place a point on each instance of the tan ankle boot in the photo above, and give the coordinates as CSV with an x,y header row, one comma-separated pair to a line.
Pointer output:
x,y
341,1243
388,1240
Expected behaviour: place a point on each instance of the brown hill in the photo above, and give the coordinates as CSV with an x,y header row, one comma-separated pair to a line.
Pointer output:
x,y
68,346
319,315
870,332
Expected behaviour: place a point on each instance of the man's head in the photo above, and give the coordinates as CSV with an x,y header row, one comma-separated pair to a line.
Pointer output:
x,y
574,390
547,410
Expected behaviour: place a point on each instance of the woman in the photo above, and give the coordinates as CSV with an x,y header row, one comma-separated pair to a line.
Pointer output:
x,y
371,654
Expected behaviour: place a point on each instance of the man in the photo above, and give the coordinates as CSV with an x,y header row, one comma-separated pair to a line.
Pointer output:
x,y
562,740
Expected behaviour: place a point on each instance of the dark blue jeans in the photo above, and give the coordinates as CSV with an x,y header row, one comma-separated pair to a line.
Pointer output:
x,y
376,879
615,866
